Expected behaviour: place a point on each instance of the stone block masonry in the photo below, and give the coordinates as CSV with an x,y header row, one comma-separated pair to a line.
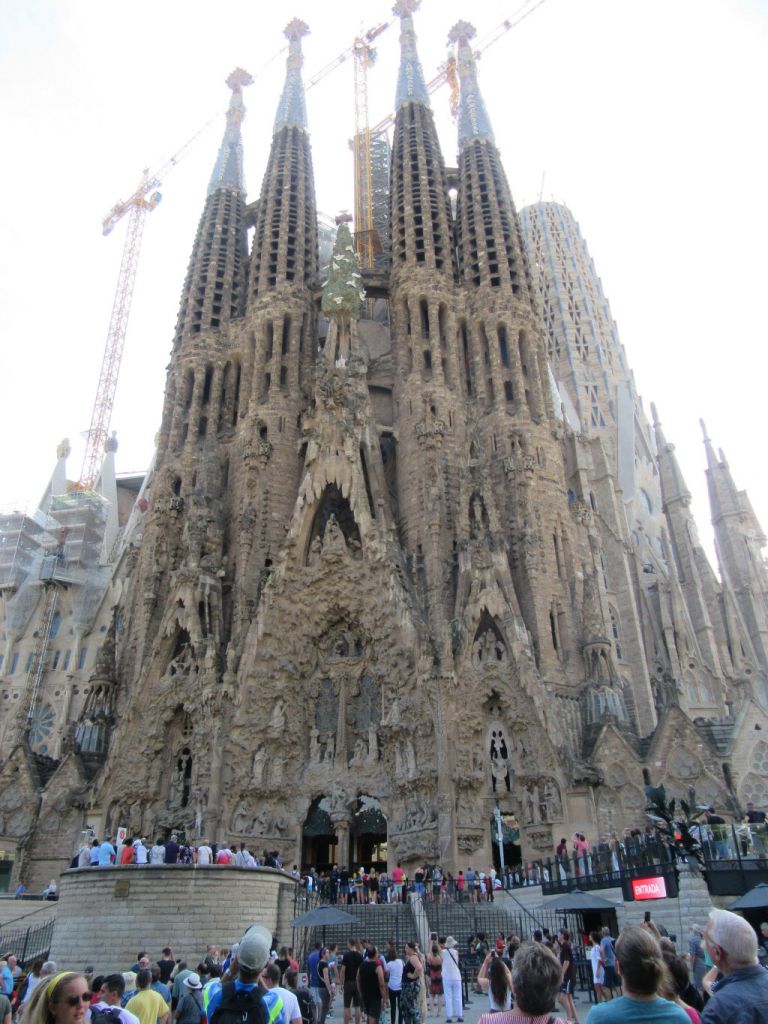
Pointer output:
x,y
106,915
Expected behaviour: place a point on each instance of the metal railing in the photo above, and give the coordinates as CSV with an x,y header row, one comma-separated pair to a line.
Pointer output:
x,y
28,944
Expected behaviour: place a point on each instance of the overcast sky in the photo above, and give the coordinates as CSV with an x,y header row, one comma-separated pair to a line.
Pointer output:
x,y
646,118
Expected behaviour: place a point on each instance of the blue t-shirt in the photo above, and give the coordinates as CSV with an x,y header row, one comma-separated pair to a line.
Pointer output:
x,y
638,1011
106,853
162,990
7,981
312,964
607,951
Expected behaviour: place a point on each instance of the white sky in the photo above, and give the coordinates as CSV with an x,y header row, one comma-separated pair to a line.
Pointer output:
x,y
647,118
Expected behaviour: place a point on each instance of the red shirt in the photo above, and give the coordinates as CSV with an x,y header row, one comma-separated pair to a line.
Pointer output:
x,y
397,876
127,855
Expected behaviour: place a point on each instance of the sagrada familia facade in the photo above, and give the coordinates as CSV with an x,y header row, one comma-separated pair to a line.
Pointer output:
x,y
409,549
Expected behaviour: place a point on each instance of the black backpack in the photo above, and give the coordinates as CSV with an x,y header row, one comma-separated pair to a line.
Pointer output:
x,y
240,1006
105,1015
306,1006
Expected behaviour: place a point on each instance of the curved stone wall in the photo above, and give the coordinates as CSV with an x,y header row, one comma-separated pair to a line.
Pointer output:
x,y
105,915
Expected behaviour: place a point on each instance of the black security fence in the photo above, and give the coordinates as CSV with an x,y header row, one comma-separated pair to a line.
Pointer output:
x,y
28,944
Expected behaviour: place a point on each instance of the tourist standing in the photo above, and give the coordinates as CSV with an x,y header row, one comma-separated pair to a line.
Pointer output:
x,y
410,1012
394,984
435,972
452,980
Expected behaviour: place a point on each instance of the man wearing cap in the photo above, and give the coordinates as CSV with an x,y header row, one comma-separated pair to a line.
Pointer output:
x,y
110,994
252,955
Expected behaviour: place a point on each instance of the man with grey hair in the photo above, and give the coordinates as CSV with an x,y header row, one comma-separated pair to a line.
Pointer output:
x,y
741,994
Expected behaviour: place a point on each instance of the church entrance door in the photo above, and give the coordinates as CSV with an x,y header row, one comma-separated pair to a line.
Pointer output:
x,y
369,835
319,847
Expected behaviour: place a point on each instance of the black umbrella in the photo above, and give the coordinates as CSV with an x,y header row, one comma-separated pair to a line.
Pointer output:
x,y
321,916
755,899
577,900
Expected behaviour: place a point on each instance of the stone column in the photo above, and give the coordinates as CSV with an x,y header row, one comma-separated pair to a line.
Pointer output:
x,y
343,844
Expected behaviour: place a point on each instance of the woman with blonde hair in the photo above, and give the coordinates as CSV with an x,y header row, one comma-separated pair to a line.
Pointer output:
x,y
62,999
641,967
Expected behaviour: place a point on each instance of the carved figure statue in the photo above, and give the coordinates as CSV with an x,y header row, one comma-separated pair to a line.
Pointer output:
x,y
330,750
314,745
259,764
551,802
359,754
373,744
530,804
392,716
277,718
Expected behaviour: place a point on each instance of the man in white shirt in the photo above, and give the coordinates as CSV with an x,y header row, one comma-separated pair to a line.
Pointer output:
x,y
110,994
157,853
204,853
270,976
141,851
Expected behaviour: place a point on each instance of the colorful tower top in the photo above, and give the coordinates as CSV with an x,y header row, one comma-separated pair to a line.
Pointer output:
x,y
411,87
474,122
292,108
228,170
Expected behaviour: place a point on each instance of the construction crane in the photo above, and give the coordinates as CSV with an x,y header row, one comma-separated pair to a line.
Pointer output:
x,y
144,199
366,238
447,72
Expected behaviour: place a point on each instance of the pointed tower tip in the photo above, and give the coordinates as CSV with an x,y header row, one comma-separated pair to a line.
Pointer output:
x,y
474,122
292,108
711,458
228,169
411,86
296,30
655,416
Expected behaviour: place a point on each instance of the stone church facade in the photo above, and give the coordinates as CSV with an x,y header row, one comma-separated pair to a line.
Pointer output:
x,y
409,549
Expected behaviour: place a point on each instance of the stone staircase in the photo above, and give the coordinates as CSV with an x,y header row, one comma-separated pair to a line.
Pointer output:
x,y
377,922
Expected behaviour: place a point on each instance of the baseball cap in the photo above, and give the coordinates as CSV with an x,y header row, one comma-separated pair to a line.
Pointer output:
x,y
253,949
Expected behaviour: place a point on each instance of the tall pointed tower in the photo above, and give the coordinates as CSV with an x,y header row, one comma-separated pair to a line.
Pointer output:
x,y
506,373
423,338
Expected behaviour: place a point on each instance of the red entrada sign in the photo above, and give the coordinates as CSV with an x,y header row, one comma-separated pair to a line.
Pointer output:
x,y
649,888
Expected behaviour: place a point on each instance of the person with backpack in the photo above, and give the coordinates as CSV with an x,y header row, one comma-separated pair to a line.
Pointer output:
x,y
107,1009
303,995
242,1001
190,1009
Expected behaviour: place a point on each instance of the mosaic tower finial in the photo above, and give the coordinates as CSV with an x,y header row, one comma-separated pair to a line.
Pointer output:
x,y
228,169
474,122
292,108
411,86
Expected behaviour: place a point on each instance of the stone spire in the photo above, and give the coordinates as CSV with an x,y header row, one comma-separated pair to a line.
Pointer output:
x,y
411,87
228,170
292,108
474,122
343,294
210,300
284,250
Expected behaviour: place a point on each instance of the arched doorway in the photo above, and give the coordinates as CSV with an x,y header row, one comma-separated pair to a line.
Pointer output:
x,y
369,835
319,843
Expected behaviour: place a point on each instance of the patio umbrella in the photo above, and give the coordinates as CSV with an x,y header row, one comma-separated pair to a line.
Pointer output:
x,y
577,900
322,916
755,899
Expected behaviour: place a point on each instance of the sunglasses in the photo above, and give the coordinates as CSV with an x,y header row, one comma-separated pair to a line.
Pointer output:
x,y
84,997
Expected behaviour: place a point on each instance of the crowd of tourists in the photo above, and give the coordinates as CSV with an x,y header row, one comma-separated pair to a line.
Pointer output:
x,y
130,850
639,977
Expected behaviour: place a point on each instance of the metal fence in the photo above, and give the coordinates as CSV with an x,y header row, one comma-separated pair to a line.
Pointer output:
x,y
29,943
